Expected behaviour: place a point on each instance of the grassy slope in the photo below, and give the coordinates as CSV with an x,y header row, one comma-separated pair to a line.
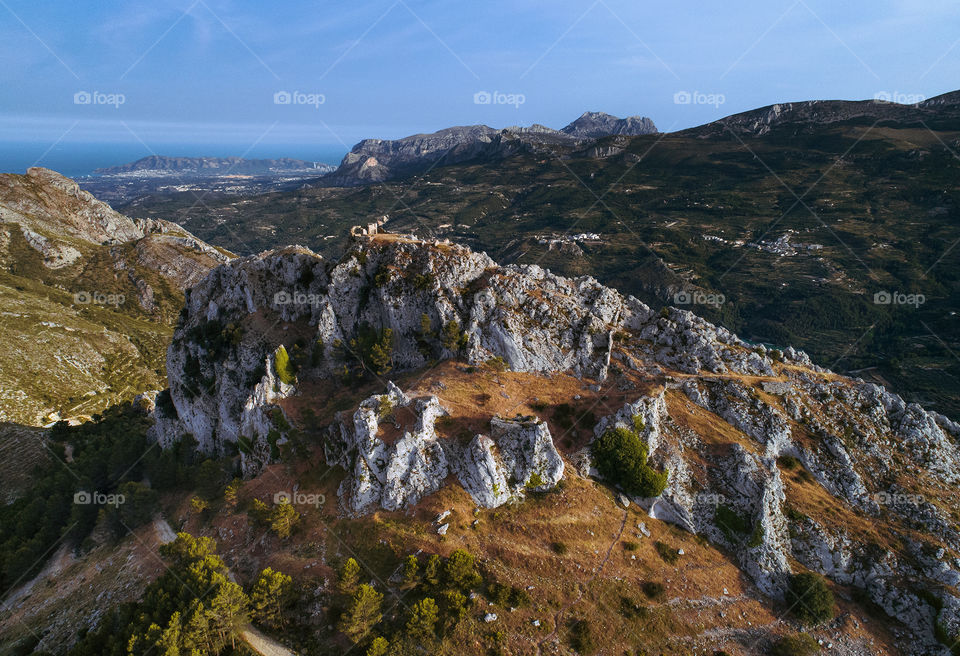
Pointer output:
x,y
70,358
577,553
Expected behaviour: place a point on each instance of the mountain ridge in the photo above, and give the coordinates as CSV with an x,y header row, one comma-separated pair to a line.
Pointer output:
x,y
91,294
376,160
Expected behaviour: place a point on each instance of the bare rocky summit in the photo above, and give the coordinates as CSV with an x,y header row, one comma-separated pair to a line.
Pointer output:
x,y
593,125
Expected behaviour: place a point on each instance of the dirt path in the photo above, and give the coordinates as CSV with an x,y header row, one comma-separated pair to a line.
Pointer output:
x,y
583,587
54,566
264,645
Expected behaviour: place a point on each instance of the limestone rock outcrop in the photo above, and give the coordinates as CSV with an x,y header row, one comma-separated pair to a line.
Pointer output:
x,y
520,456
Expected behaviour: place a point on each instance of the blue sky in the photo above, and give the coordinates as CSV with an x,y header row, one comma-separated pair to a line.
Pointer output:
x,y
206,71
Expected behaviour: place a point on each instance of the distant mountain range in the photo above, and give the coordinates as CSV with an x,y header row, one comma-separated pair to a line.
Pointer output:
x,y
376,160
215,166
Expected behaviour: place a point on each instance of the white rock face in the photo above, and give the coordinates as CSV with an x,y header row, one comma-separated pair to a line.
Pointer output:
x,y
863,432
519,457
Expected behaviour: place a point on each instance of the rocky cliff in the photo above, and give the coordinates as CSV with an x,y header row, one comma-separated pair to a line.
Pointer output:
x,y
787,465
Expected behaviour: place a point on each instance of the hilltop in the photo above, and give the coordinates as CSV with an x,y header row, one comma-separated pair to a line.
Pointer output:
x,y
376,160
505,375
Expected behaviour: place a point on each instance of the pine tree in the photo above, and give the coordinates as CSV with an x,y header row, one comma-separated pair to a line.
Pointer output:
x,y
269,597
196,634
422,625
349,576
230,493
460,570
378,647
363,613
228,612
432,573
283,517
411,568
285,369
381,352
452,338
169,641
454,606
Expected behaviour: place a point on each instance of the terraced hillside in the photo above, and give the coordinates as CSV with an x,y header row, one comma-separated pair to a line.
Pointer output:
x,y
88,298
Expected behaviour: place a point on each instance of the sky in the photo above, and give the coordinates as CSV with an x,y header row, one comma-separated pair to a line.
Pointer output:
x,y
116,79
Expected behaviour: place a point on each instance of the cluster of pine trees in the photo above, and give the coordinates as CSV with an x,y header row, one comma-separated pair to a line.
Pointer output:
x,y
432,600
192,609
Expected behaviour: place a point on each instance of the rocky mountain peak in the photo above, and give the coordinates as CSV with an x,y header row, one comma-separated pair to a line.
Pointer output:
x,y
592,125
482,352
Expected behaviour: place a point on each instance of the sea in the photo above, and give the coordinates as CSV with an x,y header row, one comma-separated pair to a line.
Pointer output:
x,y
76,159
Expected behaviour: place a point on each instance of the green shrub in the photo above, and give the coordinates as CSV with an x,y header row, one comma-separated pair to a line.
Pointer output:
x,y
668,553
810,598
381,277
799,644
499,593
497,364
654,590
582,638
460,571
756,538
631,610
452,338
788,462
285,371
621,458
559,548
423,281
733,525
